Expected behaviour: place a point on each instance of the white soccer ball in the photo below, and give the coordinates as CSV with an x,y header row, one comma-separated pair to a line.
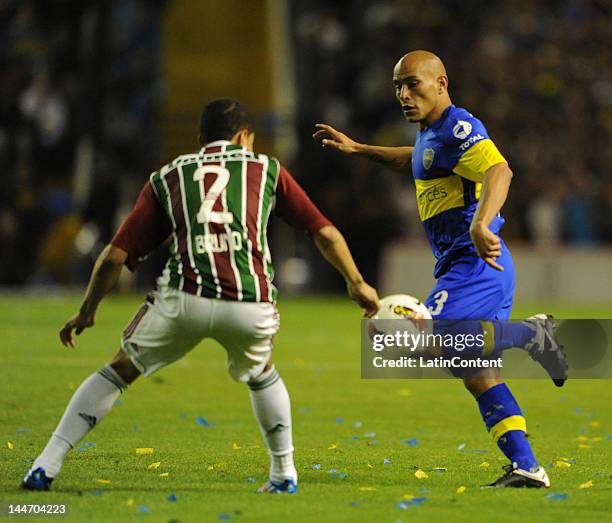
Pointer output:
x,y
414,314
402,307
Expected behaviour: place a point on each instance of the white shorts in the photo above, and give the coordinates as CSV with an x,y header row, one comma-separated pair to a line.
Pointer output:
x,y
172,322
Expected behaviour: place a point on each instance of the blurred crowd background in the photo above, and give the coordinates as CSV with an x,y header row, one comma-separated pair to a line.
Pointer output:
x,y
83,86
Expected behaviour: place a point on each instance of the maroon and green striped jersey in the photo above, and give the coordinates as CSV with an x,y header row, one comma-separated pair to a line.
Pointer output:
x,y
219,202
215,206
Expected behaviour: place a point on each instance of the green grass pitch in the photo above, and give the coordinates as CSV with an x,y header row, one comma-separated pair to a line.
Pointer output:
x,y
374,434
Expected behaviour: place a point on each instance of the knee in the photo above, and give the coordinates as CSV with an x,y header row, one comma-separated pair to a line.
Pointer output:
x,y
123,366
480,385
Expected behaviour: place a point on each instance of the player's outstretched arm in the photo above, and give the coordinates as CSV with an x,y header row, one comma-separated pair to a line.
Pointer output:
x,y
333,248
396,158
103,278
495,185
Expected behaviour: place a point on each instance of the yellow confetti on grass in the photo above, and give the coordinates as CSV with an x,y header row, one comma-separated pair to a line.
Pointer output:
x,y
235,446
333,446
103,481
582,438
461,489
596,439
405,392
370,466
145,450
154,466
164,474
594,424
210,467
130,502
562,464
421,474
367,489
586,484
583,446
484,465
9,445
407,497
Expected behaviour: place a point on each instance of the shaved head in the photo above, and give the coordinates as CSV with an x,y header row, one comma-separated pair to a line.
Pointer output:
x,y
421,86
425,61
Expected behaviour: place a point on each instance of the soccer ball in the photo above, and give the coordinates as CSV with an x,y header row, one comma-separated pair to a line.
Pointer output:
x,y
416,316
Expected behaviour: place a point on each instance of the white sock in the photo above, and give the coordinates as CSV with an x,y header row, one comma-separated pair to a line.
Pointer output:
x,y
89,404
272,408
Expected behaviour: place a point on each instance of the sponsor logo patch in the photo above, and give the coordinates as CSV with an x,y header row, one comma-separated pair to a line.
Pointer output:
x,y
462,129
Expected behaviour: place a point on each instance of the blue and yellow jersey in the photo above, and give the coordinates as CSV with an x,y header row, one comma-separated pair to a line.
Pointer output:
x,y
449,160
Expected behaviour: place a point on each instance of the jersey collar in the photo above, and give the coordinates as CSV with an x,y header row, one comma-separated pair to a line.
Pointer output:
x,y
217,143
440,120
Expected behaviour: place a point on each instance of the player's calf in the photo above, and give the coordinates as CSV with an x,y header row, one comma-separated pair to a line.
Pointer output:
x,y
272,408
89,404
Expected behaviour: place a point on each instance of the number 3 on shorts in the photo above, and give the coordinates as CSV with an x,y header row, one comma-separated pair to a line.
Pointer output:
x,y
222,176
440,298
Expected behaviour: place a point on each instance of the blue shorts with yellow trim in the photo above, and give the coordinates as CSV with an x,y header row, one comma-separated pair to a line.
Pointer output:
x,y
472,290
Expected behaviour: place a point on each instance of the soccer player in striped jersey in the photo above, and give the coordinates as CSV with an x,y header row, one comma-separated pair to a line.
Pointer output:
x,y
212,208
461,183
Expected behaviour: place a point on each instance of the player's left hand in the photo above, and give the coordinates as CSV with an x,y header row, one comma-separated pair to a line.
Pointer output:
x,y
77,323
488,246
365,296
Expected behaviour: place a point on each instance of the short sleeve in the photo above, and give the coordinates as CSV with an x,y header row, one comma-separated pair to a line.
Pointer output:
x,y
144,229
295,207
471,148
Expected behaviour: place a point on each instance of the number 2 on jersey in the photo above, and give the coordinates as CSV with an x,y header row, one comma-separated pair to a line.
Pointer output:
x,y
206,213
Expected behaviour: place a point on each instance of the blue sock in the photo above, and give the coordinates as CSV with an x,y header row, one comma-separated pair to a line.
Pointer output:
x,y
504,420
497,335
510,334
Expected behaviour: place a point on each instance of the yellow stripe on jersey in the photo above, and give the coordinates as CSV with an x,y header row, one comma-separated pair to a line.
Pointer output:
x,y
438,195
475,162
506,425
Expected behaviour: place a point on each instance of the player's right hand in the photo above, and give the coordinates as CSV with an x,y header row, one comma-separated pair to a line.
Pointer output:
x,y
77,323
365,296
330,137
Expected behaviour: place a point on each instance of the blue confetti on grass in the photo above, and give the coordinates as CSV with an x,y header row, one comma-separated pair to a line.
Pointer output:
x,y
118,403
23,429
172,497
461,446
355,438
305,410
339,420
96,492
89,444
557,496
387,461
414,502
224,516
316,466
369,435
183,414
609,437
354,503
335,474
82,449
411,442
251,480
202,422
424,490
144,509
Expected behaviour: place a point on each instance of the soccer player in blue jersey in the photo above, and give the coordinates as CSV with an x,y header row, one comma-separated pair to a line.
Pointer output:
x,y
462,181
